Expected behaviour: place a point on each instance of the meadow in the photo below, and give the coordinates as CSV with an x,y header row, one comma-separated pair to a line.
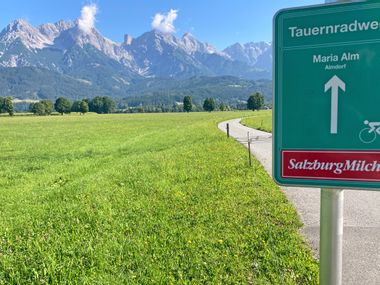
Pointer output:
x,y
260,120
141,199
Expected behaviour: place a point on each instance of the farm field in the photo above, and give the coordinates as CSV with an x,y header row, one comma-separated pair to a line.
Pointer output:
x,y
141,199
260,120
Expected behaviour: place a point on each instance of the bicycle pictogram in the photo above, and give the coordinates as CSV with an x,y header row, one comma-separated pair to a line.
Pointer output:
x,y
369,134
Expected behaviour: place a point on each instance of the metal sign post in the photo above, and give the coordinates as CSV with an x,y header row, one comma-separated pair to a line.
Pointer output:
x,y
331,237
331,226
331,233
331,230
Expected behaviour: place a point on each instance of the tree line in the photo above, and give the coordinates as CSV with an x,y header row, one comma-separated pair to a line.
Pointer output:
x,y
100,105
105,105
255,102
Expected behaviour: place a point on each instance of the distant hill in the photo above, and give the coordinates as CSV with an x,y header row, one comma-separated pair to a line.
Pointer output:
x,y
38,83
229,89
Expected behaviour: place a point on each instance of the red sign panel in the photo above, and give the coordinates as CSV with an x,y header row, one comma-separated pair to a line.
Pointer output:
x,y
331,165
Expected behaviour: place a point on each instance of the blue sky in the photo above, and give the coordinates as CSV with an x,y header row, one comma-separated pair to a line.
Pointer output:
x,y
219,22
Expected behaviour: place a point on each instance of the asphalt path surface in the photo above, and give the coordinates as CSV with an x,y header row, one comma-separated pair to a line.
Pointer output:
x,y
361,236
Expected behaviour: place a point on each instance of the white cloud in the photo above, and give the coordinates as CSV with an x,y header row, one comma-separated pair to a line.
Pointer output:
x,y
87,18
164,23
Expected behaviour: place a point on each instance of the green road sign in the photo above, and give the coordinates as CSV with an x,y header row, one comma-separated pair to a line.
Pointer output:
x,y
327,96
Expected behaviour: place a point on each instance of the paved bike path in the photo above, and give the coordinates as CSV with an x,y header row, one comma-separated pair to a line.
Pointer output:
x,y
361,240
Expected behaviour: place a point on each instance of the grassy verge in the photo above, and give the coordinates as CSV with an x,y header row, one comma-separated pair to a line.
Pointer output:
x,y
260,120
141,199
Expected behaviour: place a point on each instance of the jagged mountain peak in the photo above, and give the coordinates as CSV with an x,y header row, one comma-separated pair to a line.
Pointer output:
x,y
75,36
252,53
18,25
157,35
192,45
30,36
154,41
53,30
189,36
64,25
257,45
188,43
236,46
67,33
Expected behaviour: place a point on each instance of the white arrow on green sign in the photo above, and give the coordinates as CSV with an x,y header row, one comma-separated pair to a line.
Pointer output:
x,y
334,84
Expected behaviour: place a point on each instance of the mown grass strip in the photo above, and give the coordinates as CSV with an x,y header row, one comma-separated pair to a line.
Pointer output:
x,y
260,120
141,199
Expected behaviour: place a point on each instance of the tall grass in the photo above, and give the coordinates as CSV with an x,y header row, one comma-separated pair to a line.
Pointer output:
x,y
260,120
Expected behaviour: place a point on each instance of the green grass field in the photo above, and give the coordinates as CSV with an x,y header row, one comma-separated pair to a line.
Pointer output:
x,y
141,199
261,120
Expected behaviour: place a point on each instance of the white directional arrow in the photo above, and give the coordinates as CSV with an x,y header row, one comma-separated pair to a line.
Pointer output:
x,y
334,84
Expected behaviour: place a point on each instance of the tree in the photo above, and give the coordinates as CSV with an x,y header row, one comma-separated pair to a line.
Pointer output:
x,y
187,104
37,108
6,105
83,107
42,108
140,109
49,107
209,105
76,106
96,105
222,106
102,105
31,107
62,105
108,105
255,101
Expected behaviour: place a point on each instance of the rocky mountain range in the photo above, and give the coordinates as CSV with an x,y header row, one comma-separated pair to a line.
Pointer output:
x,y
94,63
257,54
